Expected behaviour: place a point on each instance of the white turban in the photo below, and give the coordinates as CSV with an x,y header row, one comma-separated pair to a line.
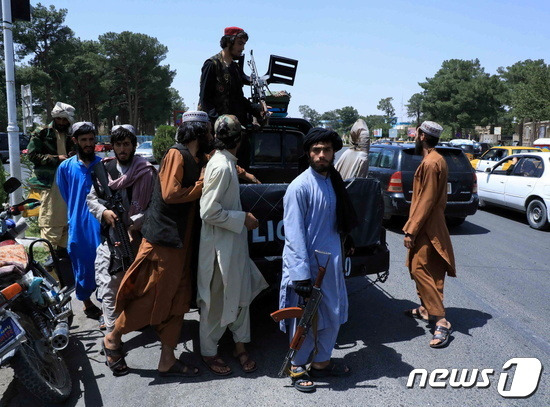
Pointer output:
x,y
128,127
63,110
78,125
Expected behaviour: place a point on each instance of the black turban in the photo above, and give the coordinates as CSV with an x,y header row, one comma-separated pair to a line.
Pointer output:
x,y
318,134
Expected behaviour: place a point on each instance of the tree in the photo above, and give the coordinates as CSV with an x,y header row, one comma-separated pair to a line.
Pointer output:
x,y
310,114
462,95
377,122
386,106
414,107
348,115
163,140
331,119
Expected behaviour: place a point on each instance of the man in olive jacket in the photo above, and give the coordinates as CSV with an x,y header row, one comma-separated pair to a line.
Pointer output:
x,y
430,255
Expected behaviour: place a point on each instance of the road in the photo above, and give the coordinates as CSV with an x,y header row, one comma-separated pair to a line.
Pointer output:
x,y
498,307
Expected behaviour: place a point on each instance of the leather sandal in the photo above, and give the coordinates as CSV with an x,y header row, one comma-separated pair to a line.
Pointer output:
x,y
216,361
443,336
299,376
415,314
246,361
119,366
180,370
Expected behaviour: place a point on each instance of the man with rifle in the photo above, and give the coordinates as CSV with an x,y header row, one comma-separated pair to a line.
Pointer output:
x,y
119,198
318,216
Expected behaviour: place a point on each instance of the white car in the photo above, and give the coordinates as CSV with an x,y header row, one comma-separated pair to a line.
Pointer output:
x,y
520,182
145,150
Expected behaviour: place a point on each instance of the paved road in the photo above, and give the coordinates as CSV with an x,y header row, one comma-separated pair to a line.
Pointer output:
x,y
498,306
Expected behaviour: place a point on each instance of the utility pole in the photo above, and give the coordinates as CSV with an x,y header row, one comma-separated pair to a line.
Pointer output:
x,y
13,130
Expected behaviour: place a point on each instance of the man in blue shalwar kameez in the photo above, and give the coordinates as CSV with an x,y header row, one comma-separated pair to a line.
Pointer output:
x,y
74,180
317,216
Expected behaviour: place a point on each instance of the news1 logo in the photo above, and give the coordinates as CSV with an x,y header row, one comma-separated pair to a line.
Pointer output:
x,y
523,384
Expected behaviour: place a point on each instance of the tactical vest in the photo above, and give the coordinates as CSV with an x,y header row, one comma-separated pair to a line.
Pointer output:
x,y
166,223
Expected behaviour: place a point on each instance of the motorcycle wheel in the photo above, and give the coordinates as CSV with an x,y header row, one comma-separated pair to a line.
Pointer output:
x,y
39,368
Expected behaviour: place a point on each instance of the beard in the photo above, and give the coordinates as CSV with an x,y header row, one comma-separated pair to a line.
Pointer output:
x,y
84,156
205,146
61,128
127,160
418,147
320,167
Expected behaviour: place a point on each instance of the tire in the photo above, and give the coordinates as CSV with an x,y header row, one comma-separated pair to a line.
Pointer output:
x,y
537,215
40,369
454,222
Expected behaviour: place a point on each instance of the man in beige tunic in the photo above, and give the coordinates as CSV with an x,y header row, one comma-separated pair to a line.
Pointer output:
x,y
354,162
228,280
430,255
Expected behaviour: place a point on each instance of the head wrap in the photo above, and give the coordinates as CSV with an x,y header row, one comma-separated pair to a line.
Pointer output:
x,y
128,127
228,130
63,110
431,128
195,116
232,30
78,125
360,136
318,134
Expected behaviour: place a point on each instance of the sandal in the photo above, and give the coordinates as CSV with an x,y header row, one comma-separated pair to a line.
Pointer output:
x,y
443,336
333,369
415,314
180,370
101,321
246,361
215,361
93,312
299,376
119,366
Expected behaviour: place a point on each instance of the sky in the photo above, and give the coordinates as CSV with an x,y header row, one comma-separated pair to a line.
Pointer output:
x,y
350,53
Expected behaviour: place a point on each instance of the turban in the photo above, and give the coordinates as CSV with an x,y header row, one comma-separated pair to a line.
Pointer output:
x,y
64,111
232,31
78,125
318,134
128,127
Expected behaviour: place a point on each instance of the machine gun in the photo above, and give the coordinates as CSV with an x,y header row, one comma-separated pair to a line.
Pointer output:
x,y
281,70
113,202
306,315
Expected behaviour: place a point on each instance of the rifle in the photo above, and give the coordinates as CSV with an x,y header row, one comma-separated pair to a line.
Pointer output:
x,y
306,315
113,202
257,86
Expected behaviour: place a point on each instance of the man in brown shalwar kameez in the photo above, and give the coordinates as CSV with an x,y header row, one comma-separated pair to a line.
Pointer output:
x,y
156,289
430,255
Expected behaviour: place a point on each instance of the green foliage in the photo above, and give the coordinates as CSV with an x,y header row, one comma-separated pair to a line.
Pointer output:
x,y
331,119
462,95
386,106
163,140
414,107
310,114
377,122
347,115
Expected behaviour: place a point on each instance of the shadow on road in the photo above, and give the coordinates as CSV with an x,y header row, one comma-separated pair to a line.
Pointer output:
x,y
467,228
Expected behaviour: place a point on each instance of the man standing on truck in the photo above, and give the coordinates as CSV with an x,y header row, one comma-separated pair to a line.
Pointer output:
x,y
228,280
47,149
355,160
317,214
430,254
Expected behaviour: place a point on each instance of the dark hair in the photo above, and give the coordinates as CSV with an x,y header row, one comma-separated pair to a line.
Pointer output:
x,y
229,40
121,134
189,131
84,129
431,141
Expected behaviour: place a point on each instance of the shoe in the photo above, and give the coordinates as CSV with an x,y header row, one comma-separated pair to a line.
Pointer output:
x,y
299,376
180,370
119,366
102,326
246,361
443,336
93,312
216,361
415,314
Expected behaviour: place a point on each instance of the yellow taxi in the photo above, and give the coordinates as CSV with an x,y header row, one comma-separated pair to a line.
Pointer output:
x,y
495,154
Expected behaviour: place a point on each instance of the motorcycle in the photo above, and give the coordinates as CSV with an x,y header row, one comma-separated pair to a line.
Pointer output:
x,y
35,310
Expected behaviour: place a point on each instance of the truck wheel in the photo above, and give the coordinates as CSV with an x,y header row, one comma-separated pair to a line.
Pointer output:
x,y
537,215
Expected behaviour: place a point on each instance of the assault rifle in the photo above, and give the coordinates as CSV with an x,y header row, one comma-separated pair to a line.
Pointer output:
x,y
306,315
113,202
258,85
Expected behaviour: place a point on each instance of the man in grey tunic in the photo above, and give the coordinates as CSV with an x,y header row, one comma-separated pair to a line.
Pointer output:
x,y
354,162
317,215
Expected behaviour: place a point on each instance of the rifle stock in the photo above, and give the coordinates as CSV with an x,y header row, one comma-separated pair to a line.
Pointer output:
x,y
286,313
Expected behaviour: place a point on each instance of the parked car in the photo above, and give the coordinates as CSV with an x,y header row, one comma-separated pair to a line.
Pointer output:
x,y
4,145
145,150
520,182
394,166
103,147
495,154
480,148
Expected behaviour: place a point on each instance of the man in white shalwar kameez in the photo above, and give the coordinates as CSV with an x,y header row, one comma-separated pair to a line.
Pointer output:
x,y
354,162
227,278
313,209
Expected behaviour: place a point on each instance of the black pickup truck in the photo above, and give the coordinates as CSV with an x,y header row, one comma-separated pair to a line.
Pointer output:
x,y
272,154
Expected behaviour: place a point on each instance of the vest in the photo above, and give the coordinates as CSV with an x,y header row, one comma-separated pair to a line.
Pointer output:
x,y
166,223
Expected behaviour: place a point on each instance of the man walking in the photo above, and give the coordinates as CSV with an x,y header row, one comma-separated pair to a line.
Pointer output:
x,y
354,162
74,180
132,178
317,216
430,254
228,280
156,289
47,149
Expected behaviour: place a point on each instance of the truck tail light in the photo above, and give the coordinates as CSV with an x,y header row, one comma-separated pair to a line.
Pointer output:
x,y
474,189
396,184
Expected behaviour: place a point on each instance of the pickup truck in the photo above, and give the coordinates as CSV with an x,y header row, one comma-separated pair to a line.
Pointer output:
x,y
271,154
